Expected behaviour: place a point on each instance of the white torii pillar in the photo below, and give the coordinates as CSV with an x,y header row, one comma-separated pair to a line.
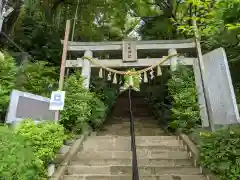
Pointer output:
x,y
86,69
173,60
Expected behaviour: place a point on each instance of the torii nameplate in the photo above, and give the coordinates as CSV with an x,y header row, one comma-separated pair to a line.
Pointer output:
x,y
129,50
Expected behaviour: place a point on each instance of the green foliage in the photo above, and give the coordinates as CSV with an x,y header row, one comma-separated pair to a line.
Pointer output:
x,y
217,21
39,26
159,27
105,92
37,37
8,72
156,97
98,113
17,160
37,78
185,110
220,152
45,138
82,108
77,110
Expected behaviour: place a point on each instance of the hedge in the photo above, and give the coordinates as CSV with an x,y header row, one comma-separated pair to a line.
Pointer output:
x,y
17,160
45,138
185,107
220,152
84,109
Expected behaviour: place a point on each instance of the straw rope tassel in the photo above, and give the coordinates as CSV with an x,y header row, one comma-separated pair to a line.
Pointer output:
x,y
115,78
140,77
109,76
101,73
145,77
152,74
159,70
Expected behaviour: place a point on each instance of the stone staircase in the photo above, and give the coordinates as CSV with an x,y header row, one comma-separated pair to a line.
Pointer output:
x,y
108,156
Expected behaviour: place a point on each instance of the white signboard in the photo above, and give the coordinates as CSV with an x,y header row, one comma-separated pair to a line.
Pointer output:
x,y
57,100
26,105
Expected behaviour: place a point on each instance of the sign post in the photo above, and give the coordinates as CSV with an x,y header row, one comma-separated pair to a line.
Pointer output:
x,y
63,63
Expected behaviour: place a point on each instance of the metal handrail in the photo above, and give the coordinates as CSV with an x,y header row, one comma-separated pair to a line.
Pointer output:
x,y
135,174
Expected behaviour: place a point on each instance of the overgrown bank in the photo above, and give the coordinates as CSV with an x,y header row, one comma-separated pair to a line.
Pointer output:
x,y
28,148
219,151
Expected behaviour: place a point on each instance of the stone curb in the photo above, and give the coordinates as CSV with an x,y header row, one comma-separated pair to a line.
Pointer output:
x,y
77,145
189,146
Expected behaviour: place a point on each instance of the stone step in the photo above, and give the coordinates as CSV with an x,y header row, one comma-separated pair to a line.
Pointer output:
x,y
140,141
136,125
138,131
120,143
139,127
62,153
134,111
134,99
127,170
136,128
147,119
127,147
136,122
137,111
86,154
128,162
138,138
154,149
122,177
138,107
127,133
135,115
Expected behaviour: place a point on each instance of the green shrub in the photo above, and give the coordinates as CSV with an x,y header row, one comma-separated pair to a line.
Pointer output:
x,y
8,72
84,109
17,160
45,138
110,96
185,110
106,93
37,78
77,108
220,152
98,113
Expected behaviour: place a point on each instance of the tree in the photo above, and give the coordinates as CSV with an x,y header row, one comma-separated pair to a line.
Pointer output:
x,y
8,72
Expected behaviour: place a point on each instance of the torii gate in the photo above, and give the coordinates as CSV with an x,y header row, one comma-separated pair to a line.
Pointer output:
x,y
212,76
